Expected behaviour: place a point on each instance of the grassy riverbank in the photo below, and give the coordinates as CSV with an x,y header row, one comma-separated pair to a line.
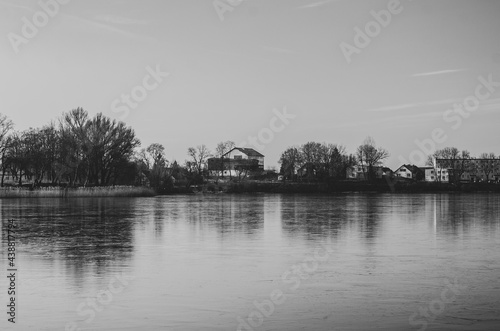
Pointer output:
x,y
59,192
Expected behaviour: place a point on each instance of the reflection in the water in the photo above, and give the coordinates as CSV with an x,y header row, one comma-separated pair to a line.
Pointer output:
x,y
326,216
201,261
459,214
82,234
227,215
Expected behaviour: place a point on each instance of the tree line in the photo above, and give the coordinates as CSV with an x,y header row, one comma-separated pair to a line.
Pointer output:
x,y
80,150
324,161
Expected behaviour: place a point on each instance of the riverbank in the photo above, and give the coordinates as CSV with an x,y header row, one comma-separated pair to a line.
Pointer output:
x,y
250,186
79,192
353,186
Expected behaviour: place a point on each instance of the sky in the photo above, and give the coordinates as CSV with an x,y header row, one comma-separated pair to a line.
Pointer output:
x,y
225,74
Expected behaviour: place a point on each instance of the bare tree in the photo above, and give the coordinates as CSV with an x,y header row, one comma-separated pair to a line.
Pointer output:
x,y
223,148
330,157
290,161
199,157
75,144
154,164
487,164
6,127
157,153
464,164
17,157
311,157
370,155
339,162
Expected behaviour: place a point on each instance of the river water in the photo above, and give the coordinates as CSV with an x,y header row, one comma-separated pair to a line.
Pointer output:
x,y
255,262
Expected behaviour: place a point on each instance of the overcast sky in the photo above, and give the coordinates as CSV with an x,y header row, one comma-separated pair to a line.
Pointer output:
x,y
226,76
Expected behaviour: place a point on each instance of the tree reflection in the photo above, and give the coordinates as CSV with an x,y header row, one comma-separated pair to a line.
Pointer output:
x,y
81,232
228,214
313,217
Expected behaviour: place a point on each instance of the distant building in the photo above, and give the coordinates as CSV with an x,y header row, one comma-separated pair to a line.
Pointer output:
x,y
430,174
410,171
470,170
360,172
237,161
239,153
386,172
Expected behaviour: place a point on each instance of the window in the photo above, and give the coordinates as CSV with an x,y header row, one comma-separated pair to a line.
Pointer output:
x,y
238,157
408,175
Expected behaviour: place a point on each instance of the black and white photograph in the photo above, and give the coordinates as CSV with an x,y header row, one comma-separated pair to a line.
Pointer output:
x,y
250,165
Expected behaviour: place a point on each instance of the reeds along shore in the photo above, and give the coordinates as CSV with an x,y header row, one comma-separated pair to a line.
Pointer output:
x,y
58,192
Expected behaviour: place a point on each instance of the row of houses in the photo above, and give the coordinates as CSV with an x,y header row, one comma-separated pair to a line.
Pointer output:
x,y
428,174
237,158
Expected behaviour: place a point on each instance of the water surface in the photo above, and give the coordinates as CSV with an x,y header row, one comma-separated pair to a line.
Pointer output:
x,y
345,262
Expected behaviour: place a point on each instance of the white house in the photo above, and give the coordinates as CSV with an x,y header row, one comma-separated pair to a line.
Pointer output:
x,y
443,175
239,153
235,159
429,174
410,171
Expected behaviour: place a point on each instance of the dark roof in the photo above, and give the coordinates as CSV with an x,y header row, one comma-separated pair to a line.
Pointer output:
x,y
248,151
386,169
413,168
251,152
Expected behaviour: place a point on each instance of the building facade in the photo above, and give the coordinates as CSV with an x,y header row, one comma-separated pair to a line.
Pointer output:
x,y
237,162
410,172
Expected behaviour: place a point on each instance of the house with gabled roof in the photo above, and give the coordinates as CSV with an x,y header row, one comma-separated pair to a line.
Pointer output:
x,y
410,171
237,161
240,153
